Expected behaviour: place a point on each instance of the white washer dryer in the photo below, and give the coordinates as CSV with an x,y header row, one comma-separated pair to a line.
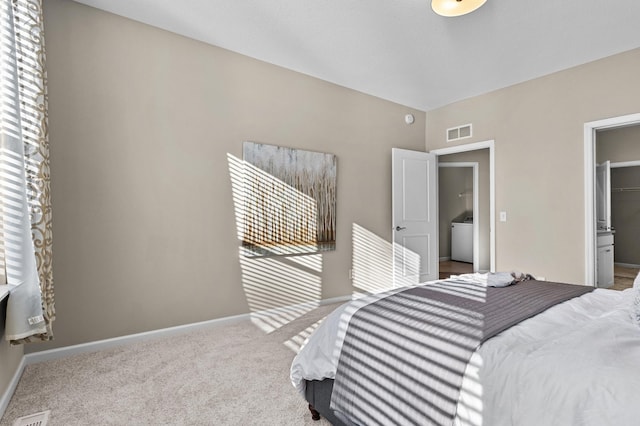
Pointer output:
x,y
462,241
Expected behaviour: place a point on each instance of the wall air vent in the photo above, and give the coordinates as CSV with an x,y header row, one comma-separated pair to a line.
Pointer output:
x,y
460,132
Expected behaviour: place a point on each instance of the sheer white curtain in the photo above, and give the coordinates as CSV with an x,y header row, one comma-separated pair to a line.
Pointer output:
x,y
25,208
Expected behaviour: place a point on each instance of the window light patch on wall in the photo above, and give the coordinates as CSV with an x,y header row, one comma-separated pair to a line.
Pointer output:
x,y
460,132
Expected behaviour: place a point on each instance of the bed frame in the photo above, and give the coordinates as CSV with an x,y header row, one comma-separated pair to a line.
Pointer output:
x,y
318,394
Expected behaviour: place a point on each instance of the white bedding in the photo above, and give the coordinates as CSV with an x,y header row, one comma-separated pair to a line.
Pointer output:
x,y
578,363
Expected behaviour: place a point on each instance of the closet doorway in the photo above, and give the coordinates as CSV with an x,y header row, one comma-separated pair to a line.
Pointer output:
x,y
625,217
600,146
620,149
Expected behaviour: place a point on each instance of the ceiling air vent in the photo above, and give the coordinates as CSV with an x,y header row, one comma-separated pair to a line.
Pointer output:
x,y
460,132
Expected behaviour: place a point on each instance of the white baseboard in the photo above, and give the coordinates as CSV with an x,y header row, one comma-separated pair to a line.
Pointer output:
x,y
336,300
628,265
98,345
444,259
13,384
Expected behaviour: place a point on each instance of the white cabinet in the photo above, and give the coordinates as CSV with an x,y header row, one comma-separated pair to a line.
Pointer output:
x,y
605,260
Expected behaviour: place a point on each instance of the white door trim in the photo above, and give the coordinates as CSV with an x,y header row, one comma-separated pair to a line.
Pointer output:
x,y
589,187
476,209
490,144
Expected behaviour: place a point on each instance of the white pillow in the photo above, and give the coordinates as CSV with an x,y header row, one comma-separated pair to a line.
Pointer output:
x,y
499,279
636,282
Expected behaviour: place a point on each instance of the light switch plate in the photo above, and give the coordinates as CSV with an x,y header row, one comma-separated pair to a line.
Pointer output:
x,y
503,216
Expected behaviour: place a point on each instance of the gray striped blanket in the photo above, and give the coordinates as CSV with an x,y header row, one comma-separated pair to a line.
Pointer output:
x,y
404,356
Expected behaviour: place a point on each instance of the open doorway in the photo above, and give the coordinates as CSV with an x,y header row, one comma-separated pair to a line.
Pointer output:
x,y
483,214
592,132
618,261
458,217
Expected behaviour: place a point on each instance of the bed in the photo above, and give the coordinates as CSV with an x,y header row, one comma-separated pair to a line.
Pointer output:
x,y
573,360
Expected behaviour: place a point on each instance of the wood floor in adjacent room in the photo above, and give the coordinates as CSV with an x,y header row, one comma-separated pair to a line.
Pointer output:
x,y
451,267
623,277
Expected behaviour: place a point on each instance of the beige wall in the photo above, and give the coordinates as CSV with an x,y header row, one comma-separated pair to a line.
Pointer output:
x,y
538,130
481,157
141,124
618,145
10,356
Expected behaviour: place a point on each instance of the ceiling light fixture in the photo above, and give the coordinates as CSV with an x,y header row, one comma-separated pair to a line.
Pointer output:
x,y
455,7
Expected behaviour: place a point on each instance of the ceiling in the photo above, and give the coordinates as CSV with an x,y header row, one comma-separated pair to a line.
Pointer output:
x,y
400,50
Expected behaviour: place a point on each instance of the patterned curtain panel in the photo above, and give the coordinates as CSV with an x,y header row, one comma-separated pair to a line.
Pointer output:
x,y
25,172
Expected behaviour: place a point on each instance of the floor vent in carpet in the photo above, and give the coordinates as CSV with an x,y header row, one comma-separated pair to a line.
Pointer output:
x,y
37,419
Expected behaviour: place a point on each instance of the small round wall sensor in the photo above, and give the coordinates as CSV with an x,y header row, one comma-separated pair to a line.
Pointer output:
x,y
409,119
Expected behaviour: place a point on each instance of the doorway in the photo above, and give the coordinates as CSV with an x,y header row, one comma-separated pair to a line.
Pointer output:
x,y
625,218
458,217
484,214
618,263
593,153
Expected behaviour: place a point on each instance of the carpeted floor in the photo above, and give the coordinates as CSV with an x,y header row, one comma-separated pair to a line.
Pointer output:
x,y
226,375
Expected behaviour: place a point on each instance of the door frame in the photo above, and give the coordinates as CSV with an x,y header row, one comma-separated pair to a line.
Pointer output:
x,y
622,164
488,144
590,228
476,208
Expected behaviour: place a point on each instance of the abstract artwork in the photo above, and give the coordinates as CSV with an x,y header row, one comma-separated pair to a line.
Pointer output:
x,y
289,200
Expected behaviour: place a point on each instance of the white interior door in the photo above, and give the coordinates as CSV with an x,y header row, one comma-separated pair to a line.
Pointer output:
x,y
603,196
415,216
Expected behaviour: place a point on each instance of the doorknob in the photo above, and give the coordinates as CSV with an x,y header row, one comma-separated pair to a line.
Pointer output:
x,y
400,228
